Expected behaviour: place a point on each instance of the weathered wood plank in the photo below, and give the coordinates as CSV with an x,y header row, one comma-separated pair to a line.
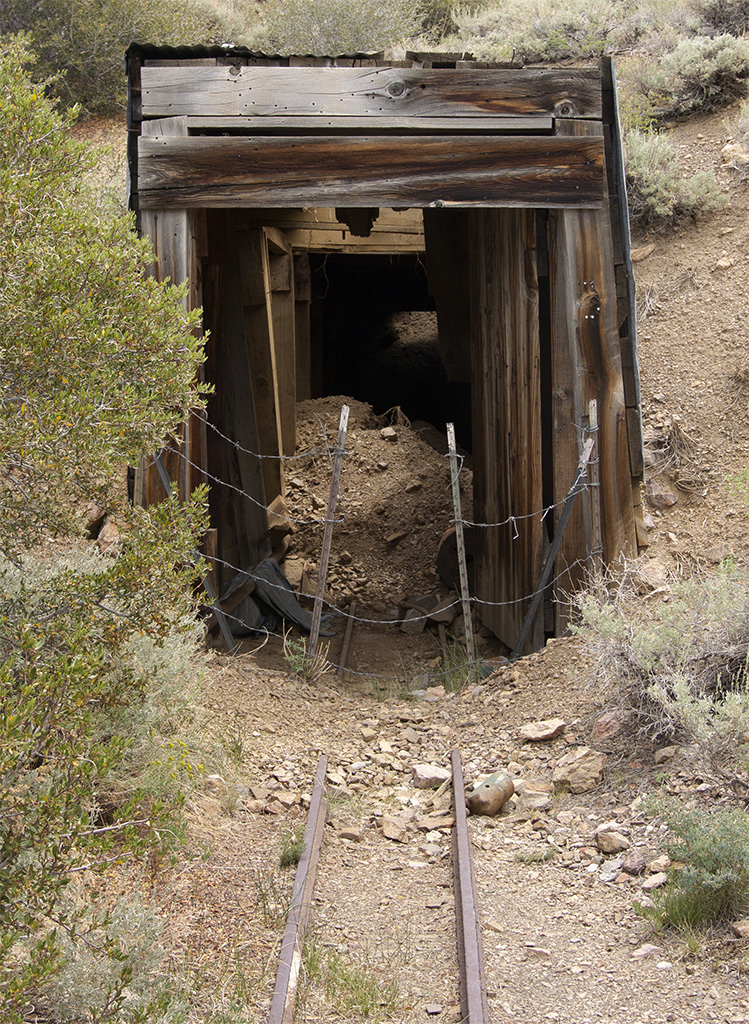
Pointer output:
x,y
302,336
371,171
448,263
281,286
318,124
587,365
239,511
507,418
251,254
236,91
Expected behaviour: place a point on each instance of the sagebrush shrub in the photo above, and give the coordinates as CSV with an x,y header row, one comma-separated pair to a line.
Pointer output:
x,y
540,31
334,27
712,887
680,665
700,74
724,16
657,192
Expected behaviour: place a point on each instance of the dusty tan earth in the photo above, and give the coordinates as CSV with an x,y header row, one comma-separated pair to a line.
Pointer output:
x,y
561,936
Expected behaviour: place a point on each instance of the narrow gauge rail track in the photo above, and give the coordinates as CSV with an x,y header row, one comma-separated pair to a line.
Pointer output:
x,y
473,1001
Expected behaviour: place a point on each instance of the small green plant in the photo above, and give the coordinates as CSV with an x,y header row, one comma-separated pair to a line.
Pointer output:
x,y
291,846
359,991
309,669
272,895
657,192
712,887
457,669
536,856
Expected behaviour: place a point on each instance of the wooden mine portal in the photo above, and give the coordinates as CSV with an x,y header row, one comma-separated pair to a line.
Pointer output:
x,y
507,181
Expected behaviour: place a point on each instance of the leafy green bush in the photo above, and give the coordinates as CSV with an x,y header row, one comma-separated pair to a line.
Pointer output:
x,y
83,41
700,74
332,27
98,366
657,192
539,31
712,887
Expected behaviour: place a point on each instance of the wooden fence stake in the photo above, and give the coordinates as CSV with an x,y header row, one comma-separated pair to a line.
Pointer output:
x,y
460,540
327,539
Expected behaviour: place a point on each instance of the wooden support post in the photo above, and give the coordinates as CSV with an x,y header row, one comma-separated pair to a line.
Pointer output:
x,y
465,597
322,571
595,555
347,640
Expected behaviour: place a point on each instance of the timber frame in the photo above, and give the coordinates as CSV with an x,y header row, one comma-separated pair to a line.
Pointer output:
x,y
509,181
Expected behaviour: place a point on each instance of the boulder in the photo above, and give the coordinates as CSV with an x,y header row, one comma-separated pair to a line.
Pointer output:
x,y
429,776
580,770
537,732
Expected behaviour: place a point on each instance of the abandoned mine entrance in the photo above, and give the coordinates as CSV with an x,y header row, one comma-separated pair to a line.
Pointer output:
x,y
449,239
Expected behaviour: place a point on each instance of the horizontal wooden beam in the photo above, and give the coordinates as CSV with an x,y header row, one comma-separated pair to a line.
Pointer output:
x,y
369,92
521,171
405,125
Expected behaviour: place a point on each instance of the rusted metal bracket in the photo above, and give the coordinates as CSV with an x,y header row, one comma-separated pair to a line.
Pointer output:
x,y
284,994
474,1008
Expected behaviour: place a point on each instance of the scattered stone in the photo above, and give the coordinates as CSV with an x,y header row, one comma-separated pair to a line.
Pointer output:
x,y
433,1009
647,949
494,926
274,807
609,840
345,558
368,734
394,538
395,828
608,725
109,539
287,800
434,692
642,253
741,928
724,263
659,493
215,786
429,776
414,622
662,863
354,834
413,485
655,881
490,796
432,824
389,434
546,730
665,754
532,800
634,863
580,770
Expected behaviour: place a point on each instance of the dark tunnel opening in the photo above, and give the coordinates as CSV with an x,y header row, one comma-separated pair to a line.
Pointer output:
x,y
380,339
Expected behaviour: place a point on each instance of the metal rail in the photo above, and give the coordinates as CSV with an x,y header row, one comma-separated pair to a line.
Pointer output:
x,y
473,1001
284,994
474,1008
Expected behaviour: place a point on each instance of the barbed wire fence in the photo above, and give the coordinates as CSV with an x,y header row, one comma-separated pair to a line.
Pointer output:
x,y
585,482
